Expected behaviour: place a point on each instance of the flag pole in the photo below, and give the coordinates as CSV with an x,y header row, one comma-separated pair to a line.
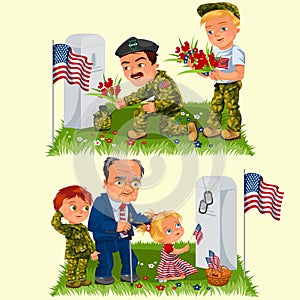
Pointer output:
x,y
244,225
52,133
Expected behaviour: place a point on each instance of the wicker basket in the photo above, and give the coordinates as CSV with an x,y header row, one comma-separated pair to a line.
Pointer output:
x,y
217,278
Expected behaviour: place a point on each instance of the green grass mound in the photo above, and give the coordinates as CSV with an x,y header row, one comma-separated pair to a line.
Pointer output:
x,y
115,140
149,257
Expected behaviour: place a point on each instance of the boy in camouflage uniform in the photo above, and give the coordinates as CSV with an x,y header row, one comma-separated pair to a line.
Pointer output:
x,y
221,21
138,59
73,203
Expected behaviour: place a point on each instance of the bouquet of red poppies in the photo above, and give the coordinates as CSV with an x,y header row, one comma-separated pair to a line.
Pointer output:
x,y
203,62
108,89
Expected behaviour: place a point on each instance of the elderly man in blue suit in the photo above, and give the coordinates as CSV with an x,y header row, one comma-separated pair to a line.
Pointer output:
x,y
112,215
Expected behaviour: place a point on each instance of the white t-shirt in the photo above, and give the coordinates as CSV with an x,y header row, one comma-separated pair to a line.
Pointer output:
x,y
229,59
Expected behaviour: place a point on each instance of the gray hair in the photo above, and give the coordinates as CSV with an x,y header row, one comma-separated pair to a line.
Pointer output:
x,y
110,160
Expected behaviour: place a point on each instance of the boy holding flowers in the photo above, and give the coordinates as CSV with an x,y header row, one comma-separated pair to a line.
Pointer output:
x,y
221,21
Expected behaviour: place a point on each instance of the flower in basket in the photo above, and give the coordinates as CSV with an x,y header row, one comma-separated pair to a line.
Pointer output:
x,y
108,89
202,62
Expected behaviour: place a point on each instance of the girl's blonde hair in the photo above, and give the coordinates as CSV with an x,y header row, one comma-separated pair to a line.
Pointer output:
x,y
219,13
155,227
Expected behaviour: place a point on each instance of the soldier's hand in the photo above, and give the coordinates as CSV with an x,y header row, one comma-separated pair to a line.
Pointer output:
x,y
123,226
149,107
94,255
120,103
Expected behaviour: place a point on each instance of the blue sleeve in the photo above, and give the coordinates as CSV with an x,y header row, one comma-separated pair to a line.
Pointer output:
x,y
101,223
137,218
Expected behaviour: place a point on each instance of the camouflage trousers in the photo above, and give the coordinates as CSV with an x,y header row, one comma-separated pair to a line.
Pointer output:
x,y
167,123
102,121
76,268
226,95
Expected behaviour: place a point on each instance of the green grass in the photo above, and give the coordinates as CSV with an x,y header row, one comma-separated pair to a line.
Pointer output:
x,y
149,253
114,141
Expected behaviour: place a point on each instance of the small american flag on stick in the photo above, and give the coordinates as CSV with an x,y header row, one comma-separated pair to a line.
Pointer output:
x,y
73,67
265,197
198,233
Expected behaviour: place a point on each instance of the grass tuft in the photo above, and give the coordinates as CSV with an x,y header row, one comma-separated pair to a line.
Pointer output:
x,y
149,257
115,141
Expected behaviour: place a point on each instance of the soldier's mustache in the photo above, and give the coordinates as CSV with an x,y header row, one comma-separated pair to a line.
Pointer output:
x,y
137,75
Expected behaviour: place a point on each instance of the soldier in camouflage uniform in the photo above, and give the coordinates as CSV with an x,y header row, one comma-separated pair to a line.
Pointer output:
x,y
138,59
73,204
221,21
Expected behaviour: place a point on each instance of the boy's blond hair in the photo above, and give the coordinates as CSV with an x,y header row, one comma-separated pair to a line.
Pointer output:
x,y
155,227
219,13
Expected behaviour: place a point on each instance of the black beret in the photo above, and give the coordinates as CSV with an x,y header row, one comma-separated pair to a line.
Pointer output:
x,y
135,45
205,8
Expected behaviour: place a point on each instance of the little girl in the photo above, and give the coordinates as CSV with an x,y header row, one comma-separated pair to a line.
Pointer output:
x,y
165,228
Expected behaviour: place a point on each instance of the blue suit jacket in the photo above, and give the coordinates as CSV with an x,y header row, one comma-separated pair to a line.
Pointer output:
x,y
102,221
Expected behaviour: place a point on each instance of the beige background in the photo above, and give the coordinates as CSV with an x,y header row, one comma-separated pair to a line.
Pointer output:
x,y
31,250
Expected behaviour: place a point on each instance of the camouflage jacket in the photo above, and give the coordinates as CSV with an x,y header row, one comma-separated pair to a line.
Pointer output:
x,y
78,241
167,97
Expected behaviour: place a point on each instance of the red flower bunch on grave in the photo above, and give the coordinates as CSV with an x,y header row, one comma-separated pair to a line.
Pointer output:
x,y
203,62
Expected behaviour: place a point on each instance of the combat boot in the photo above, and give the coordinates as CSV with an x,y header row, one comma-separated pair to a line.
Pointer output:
x,y
229,134
73,284
85,282
211,132
136,135
192,131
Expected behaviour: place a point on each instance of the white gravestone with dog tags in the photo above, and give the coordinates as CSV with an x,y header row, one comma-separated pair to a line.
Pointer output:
x,y
216,209
78,107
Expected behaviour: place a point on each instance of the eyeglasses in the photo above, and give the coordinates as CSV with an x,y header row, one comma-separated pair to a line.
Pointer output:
x,y
121,183
204,203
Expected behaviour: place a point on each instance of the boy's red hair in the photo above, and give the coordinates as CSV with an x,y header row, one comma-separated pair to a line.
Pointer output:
x,y
70,192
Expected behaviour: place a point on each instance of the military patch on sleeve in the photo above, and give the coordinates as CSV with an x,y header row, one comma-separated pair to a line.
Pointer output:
x,y
164,84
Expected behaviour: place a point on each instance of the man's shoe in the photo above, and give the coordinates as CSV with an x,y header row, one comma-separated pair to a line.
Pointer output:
x,y
192,131
228,134
211,132
104,280
126,278
73,284
136,135
85,282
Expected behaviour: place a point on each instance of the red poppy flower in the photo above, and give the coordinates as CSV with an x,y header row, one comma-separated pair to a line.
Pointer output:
x,y
104,92
174,288
139,285
185,47
160,287
145,277
100,85
108,83
144,142
108,140
115,132
177,50
130,142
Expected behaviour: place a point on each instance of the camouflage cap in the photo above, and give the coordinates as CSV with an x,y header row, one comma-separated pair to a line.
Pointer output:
x,y
133,44
205,8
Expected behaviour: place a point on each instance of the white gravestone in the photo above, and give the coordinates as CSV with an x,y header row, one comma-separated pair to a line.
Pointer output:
x,y
218,220
78,107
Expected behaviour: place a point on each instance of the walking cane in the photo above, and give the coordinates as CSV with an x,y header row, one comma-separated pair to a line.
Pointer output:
x,y
130,256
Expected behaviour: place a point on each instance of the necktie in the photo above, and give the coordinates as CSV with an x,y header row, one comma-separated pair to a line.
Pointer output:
x,y
122,216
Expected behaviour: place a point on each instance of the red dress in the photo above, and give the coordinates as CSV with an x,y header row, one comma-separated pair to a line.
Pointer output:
x,y
171,265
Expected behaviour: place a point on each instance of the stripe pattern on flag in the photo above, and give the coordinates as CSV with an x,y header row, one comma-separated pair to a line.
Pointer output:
x,y
73,67
198,233
265,197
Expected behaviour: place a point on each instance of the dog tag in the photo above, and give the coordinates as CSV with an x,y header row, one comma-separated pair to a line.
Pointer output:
x,y
208,197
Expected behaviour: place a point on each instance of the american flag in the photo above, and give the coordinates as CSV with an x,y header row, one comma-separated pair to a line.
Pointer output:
x,y
265,197
73,67
213,261
198,233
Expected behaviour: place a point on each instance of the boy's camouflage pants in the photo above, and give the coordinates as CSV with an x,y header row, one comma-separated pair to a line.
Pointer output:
x,y
167,123
76,268
228,95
